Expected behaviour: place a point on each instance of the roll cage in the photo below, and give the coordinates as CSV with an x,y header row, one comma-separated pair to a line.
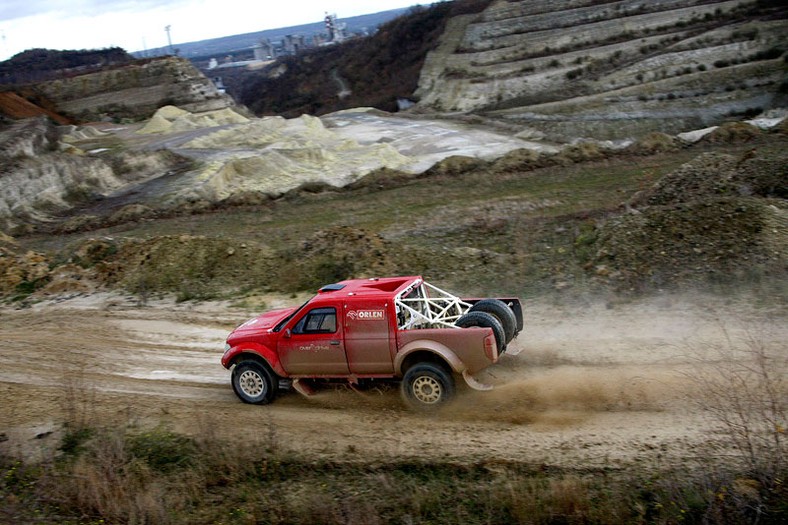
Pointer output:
x,y
423,305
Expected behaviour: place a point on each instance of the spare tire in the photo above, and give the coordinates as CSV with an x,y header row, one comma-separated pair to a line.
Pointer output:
x,y
484,320
500,311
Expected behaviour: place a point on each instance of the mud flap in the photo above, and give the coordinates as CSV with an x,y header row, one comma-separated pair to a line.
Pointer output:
x,y
302,388
471,382
514,351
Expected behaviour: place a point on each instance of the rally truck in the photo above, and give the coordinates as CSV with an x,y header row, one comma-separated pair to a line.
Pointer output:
x,y
369,330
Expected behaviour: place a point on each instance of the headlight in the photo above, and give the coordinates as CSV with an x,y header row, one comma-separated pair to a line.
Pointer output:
x,y
227,347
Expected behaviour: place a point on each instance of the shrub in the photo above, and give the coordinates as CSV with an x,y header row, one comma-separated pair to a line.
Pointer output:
x,y
742,388
163,450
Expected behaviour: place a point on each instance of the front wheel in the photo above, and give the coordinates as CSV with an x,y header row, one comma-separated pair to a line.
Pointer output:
x,y
427,386
254,383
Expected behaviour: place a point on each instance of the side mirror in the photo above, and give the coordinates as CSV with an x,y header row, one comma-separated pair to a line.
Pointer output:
x,y
288,333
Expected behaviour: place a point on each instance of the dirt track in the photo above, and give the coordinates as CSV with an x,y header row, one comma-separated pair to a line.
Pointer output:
x,y
592,386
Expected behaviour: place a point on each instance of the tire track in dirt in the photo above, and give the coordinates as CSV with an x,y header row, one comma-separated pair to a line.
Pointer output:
x,y
592,386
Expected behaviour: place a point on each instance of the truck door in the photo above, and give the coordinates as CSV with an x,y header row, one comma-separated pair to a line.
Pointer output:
x,y
314,344
367,340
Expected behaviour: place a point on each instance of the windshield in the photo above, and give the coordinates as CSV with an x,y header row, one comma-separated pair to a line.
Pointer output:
x,y
286,319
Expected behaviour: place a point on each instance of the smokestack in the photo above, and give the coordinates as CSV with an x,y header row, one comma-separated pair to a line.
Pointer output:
x,y
169,40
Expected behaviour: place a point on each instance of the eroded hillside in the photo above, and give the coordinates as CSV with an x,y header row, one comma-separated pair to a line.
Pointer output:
x,y
611,69
558,70
128,91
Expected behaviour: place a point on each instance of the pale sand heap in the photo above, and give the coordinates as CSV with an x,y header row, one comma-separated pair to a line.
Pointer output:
x,y
170,119
274,155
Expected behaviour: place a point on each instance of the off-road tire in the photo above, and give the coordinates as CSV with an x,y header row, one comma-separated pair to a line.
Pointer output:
x,y
500,311
484,320
253,382
427,387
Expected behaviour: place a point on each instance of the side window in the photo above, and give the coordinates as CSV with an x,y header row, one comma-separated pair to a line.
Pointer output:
x,y
317,321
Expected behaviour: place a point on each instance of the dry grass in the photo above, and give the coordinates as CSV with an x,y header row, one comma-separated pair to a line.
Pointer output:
x,y
109,483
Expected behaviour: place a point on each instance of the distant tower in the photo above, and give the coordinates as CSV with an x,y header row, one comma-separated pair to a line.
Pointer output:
x,y
263,50
336,31
330,26
169,40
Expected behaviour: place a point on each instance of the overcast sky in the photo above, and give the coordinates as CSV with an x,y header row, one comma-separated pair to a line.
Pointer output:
x,y
139,24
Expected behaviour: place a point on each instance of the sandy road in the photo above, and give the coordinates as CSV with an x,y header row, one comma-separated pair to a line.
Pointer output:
x,y
593,386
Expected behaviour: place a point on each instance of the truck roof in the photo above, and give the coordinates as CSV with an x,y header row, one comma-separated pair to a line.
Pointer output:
x,y
374,287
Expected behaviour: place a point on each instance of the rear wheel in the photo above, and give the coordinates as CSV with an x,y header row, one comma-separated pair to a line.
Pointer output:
x,y
254,383
500,311
427,386
484,320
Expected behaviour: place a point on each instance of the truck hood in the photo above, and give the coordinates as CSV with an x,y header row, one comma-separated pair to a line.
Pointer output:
x,y
263,322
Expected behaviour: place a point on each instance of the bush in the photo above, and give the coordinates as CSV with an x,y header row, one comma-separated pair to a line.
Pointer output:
x,y
163,450
743,392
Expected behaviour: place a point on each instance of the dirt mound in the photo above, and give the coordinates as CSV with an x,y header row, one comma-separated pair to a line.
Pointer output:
x,y
719,240
200,267
21,272
717,175
717,218
652,143
525,159
581,152
89,266
69,278
380,179
454,165
131,212
732,132
89,222
189,266
335,254
192,267
519,160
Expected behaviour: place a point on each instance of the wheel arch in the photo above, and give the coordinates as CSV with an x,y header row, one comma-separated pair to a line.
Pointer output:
x,y
427,351
257,356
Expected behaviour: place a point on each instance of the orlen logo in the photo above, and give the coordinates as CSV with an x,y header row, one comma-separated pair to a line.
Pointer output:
x,y
367,315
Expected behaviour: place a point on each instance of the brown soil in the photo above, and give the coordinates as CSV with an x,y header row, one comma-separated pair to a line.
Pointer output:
x,y
16,107
591,385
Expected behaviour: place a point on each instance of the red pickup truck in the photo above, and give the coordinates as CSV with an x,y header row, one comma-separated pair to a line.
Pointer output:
x,y
396,328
